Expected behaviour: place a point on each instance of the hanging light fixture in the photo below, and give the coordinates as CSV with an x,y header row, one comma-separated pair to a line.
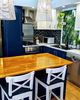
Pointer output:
x,y
7,11
44,14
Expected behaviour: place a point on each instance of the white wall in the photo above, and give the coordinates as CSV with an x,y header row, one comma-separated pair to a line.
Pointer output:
x,y
54,19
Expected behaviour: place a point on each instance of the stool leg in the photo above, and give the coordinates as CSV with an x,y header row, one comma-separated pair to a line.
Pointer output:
x,y
50,94
61,93
2,94
30,96
47,94
36,89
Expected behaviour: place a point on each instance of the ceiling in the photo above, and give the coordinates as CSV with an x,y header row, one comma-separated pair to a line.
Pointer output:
x,y
60,3
55,3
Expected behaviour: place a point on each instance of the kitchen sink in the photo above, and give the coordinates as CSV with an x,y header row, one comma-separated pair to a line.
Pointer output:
x,y
61,47
73,53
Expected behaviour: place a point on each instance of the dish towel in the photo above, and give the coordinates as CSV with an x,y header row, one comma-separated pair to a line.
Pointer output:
x,y
7,10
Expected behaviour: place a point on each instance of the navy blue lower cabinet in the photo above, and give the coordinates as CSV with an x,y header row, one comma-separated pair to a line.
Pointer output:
x,y
42,49
61,54
56,52
47,49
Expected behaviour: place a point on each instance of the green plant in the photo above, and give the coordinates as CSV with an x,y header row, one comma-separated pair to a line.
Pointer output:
x,y
69,32
76,37
78,42
60,19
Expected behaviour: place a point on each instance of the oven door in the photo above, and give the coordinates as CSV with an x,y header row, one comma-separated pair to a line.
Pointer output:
x,y
74,71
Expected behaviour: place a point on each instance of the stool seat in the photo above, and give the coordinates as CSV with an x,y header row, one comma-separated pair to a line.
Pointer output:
x,y
44,80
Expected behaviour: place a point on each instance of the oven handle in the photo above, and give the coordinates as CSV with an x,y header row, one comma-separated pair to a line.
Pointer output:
x,y
74,59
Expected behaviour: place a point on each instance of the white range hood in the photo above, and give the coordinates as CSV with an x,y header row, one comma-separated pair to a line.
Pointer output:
x,y
44,14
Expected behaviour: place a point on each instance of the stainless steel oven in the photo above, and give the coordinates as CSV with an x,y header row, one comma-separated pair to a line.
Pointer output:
x,y
74,70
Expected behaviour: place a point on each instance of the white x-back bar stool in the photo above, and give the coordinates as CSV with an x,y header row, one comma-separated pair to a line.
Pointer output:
x,y
55,79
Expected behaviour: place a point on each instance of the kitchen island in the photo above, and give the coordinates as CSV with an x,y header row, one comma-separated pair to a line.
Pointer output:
x,y
17,65
10,66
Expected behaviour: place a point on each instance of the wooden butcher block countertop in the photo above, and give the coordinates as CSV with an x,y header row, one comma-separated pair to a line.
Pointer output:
x,y
10,66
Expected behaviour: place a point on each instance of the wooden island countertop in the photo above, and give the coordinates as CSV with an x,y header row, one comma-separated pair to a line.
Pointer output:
x,y
23,64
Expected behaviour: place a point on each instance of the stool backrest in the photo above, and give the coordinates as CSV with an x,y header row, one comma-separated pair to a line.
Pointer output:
x,y
15,81
56,73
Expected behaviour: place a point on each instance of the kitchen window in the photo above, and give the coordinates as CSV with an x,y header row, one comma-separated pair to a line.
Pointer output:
x,y
66,21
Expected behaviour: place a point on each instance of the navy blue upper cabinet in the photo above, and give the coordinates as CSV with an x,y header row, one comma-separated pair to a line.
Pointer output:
x,y
12,35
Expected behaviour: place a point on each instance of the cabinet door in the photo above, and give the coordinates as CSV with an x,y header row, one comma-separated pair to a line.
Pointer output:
x,y
58,53
61,54
53,51
44,49
12,35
